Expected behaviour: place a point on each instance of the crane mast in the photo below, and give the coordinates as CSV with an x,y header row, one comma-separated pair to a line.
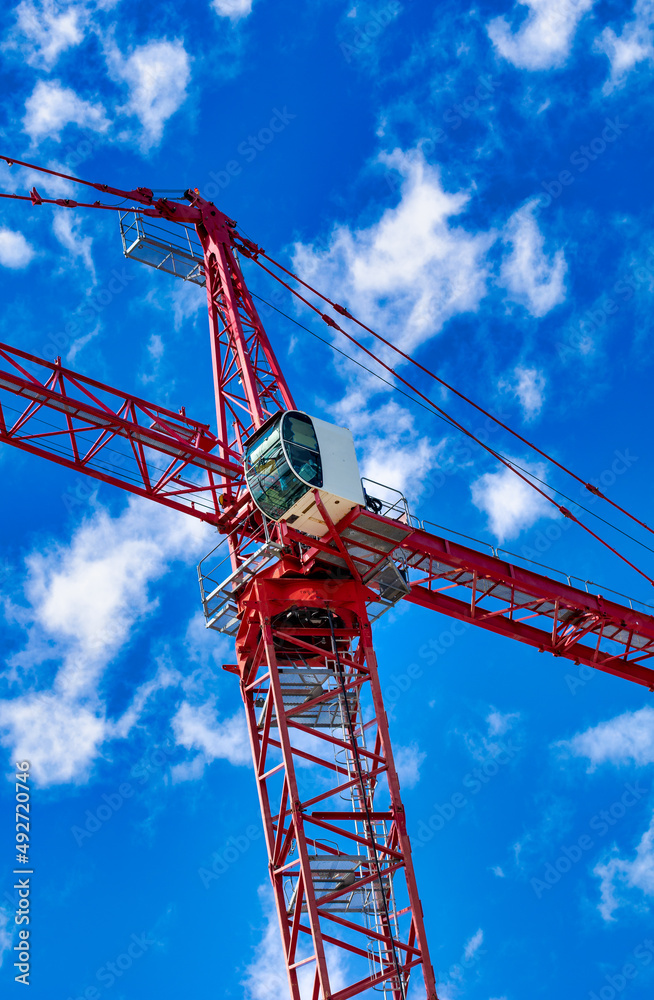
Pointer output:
x,y
300,604
340,865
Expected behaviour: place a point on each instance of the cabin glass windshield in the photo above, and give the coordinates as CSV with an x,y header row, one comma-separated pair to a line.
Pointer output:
x,y
301,446
274,486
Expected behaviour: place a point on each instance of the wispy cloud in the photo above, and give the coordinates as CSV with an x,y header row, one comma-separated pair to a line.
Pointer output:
x,y
484,744
509,502
406,274
544,39
499,723
84,603
67,228
393,451
157,75
473,945
530,276
234,9
46,29
528,387
620,876
625,739
15,252
633,45
413,269
408,760
6,937
198,728
51,107
452,983
265,977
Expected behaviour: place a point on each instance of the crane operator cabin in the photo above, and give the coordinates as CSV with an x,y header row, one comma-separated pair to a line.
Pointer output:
x,y
290,457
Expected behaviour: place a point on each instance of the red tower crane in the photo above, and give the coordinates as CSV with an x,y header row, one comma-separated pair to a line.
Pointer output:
x,y
309,566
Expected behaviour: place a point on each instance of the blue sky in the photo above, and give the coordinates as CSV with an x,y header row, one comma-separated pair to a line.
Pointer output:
x,y
475,184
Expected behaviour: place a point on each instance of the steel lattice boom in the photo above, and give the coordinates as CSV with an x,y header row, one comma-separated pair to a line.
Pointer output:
x,y
113,436
521,604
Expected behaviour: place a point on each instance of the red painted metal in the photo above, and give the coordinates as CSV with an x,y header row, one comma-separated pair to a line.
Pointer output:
x,y
340,877
113,436
516,602
248,381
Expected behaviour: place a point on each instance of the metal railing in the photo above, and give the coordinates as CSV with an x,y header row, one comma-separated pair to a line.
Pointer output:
x,y
177,250
497,551
393,502
222,572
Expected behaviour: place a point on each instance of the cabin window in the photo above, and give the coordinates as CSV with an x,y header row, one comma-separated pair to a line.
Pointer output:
x,y
283,464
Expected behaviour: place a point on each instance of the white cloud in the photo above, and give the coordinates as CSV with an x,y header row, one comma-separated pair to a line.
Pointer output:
x,y
157,75
544,39
510,503
90,595
17,179
499,723
527,385
66,228
407,762
233,9
473,945
44,30
85,602
391,450
265,977
531,278
79,343
498,872
164,678
625,739
484,744
408,272
156,350
196,727
619,875
206,647
633,45
412,270
60,736
453,982
15,251
187,299
51,107
155,347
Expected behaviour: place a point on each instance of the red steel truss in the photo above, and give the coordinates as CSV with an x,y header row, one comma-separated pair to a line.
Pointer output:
x,y
113,436
521,604
340,864
249,385
485,591
248,381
